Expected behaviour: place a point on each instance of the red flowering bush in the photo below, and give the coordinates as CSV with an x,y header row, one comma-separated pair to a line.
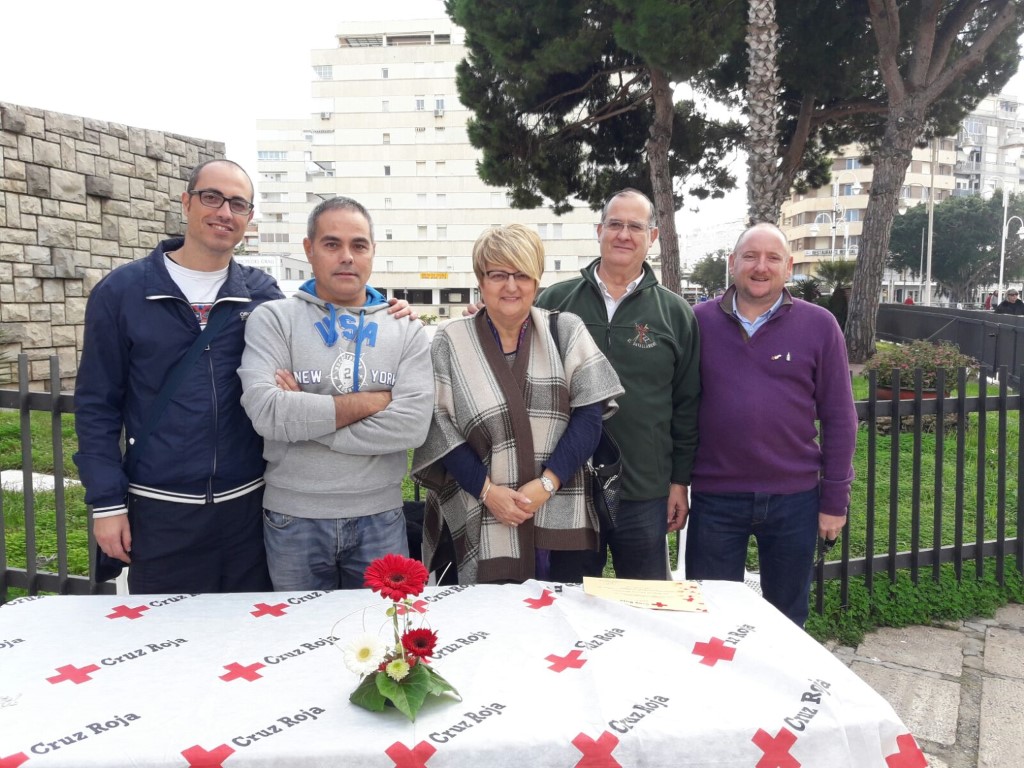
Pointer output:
x,y
929,357
398,673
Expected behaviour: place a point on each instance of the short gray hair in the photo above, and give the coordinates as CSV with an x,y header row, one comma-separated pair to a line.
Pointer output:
x,y
341,203
652,220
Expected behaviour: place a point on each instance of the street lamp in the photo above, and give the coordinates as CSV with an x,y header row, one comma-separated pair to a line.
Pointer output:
x,y
926,289
831,218
1006,232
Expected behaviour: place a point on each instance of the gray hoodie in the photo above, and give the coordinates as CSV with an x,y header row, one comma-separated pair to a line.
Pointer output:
x,y
313,469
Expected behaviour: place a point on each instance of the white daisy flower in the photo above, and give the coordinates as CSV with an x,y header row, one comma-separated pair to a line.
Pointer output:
x,y
364,654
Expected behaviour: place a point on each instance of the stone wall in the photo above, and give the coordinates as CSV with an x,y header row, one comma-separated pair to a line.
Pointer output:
x,y
78,197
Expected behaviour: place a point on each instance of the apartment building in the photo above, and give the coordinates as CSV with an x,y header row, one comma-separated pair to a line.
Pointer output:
x,y
388,130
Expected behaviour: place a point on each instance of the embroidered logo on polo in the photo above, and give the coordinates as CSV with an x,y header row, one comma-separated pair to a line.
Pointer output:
x,y
642,339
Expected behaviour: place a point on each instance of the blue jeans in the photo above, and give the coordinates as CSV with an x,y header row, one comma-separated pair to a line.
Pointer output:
x,y
785,527
637,546
306,553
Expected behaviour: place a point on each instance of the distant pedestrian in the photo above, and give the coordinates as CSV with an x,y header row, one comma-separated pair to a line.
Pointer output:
x,y
1011,305
908,300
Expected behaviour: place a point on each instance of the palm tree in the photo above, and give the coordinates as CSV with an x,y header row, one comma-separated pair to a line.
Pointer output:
x,y
764,182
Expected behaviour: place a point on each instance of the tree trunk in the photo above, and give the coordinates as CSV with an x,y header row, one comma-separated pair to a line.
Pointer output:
x,y
903,128
658,144
764,180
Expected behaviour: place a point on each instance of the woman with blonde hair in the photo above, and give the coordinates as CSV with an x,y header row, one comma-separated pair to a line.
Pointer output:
x,y
516,416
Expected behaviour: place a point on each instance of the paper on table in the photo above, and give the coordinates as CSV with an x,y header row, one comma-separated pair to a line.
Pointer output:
x,y
657,595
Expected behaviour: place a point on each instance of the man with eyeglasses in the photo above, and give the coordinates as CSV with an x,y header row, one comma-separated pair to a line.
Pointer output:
x,y
650,336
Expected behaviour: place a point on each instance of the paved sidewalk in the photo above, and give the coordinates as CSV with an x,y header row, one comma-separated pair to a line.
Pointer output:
x,y
959,688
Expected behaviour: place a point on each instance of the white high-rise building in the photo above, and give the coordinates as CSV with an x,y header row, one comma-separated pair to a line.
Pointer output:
x,y
389,131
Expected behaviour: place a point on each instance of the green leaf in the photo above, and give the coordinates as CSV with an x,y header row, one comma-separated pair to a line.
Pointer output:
x,y
366,694
438,684
409,694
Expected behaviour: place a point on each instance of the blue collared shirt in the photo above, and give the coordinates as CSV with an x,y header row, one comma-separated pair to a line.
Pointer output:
x,y
751,326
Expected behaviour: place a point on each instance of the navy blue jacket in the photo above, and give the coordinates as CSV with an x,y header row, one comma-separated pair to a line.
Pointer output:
x,y
138,324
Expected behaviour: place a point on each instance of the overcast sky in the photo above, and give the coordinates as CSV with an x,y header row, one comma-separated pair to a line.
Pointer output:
x,y
199,68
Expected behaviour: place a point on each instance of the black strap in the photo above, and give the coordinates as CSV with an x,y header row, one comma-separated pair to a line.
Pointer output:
x,y
553,320
216,321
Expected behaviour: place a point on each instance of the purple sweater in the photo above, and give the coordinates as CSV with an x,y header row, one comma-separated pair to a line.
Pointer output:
x,y
760,397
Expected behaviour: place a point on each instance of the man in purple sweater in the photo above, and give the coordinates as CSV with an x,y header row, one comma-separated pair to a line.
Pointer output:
x,y
771,366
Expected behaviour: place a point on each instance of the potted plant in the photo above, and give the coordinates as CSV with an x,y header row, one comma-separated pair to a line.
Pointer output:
x,y
906,358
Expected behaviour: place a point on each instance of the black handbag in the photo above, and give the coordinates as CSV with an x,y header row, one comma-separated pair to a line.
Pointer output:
x,y
603,470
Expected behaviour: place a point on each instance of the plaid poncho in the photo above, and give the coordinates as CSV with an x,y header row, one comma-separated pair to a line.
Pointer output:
x,y
512,417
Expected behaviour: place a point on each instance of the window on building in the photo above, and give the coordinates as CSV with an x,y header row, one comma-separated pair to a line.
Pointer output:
x,y
387,170
421,103
421,232
558,264
542,230
271,197
323,71
847,189
385,106
384,73
442,200
421,200
302,274
421,168
387,202
273,237
271,155
287,273
439,167
272,176
415,295
852,214
556,231
439,103
455,295
388,235
442,232
387,138
851,163
389,266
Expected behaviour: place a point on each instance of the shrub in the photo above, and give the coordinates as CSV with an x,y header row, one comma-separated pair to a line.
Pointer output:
x,y
929,357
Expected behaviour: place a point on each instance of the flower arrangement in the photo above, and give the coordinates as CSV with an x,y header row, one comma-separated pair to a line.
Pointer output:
x,y
929,357
398,673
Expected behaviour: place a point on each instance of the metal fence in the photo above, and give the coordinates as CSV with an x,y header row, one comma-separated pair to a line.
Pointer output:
x,y
31,577
960,424
993,340
971,451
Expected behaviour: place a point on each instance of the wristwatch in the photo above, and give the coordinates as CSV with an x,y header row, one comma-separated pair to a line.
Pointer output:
x,y
547,485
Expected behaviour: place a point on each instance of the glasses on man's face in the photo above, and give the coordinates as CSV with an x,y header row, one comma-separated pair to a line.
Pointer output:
x,y
500,277
211,198
635,228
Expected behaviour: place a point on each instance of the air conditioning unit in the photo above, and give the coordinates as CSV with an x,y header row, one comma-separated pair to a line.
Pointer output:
x,y
438,113
442,311
326,115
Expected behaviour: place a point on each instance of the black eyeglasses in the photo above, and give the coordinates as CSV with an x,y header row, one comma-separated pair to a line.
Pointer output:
x,y
211,198
824,547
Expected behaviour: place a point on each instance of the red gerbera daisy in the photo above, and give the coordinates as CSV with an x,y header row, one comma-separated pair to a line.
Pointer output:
x,y
396,577
420,642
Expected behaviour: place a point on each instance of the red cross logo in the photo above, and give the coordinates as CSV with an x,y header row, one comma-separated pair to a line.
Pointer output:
x,y
75,674
200,758
262,609
660,604
713,652
13,761
420,606
562,663
909,756
236,670
597,754
776,750
410,758
545,599
124,612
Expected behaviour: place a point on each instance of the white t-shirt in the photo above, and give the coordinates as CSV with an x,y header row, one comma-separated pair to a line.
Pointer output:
x,y
200,288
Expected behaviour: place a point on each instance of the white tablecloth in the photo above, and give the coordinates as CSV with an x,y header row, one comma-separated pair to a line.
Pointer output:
x,y
548,678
